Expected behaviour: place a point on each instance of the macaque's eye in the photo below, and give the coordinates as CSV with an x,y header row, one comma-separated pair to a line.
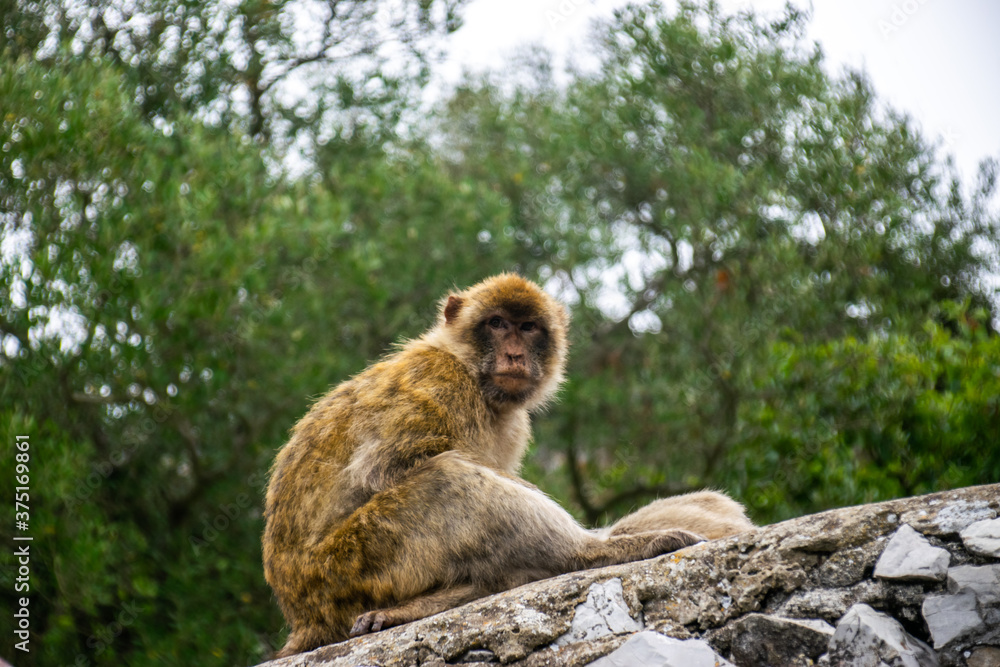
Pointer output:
x,y
528,326
496,322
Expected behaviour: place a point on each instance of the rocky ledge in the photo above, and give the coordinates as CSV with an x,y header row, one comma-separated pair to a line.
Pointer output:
x,y
905,582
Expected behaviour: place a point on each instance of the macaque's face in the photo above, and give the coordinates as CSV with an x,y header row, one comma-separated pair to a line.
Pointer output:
x,y
514,349
513,336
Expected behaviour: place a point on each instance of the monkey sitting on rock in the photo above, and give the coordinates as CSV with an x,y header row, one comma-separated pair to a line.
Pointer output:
x,y
397,496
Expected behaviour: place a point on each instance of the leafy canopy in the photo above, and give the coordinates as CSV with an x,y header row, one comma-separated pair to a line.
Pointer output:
x,y
778,288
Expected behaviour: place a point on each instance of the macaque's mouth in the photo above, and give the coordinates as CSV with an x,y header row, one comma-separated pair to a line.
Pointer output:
x,y
513,382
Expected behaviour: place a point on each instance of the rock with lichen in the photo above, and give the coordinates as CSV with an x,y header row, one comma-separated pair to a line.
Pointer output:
x,y
778,592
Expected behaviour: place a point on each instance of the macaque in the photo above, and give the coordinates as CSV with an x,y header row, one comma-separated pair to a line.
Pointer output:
x,y
397,496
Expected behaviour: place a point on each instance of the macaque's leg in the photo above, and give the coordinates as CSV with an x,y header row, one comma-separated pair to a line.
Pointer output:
x,y
452,531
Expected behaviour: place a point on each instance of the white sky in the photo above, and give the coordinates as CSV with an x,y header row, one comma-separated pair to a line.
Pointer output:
x,y
937,60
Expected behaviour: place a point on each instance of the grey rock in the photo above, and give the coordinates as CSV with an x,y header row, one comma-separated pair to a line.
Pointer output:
x,y
904,597
604,613
759,639
951,616
867,638
800,568
651,649
849,566
983,537
983,580
831,603
909,556
948,513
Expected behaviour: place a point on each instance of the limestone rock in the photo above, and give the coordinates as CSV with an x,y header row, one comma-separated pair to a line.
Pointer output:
x,y
815,567
759,639
867,638
651,649
983,537
945,518
604,613
910,556
983,581
951,616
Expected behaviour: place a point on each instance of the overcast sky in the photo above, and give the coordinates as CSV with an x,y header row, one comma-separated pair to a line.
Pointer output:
x,y
937,60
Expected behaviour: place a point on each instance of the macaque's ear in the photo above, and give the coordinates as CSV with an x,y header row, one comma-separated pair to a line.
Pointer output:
x,y
451,308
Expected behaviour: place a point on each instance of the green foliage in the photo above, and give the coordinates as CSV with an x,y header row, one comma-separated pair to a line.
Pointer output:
x,y
245,64
851,421
173,307
707,196
777,287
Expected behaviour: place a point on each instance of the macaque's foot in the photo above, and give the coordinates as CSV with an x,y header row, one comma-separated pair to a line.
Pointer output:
x,y
370,621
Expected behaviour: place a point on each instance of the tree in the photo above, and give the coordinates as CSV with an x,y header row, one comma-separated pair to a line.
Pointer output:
x,y
172,307
171,302
293,70
860,420
776,286
708,196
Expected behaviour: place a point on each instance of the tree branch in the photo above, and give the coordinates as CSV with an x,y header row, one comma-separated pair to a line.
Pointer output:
x,y
576,480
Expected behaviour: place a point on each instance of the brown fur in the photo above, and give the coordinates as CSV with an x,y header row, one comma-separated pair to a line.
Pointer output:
x,y
397,496
710,514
